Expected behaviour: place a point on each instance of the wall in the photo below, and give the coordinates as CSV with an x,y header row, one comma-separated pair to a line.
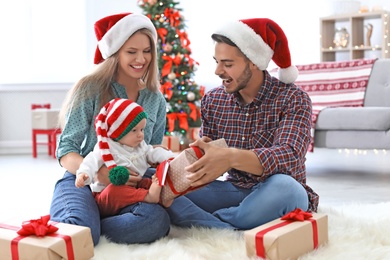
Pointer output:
x,y
299,19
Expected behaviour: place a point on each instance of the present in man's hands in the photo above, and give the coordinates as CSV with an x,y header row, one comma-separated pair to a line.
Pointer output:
x,y
172,173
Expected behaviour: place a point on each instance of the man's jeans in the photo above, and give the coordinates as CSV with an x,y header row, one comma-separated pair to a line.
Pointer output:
x,y
222,205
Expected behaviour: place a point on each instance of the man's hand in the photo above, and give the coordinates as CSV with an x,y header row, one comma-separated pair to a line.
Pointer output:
x,y
211,165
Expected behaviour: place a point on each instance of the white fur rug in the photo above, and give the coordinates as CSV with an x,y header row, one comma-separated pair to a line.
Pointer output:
x,y
356,231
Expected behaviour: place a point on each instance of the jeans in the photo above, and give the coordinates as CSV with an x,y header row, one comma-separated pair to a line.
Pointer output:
x,y
222,205
136,223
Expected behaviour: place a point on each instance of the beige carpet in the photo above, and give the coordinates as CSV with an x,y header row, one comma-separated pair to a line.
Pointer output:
x,y
356,231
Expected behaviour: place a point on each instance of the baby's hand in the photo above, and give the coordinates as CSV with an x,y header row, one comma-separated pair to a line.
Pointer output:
x,y
80,180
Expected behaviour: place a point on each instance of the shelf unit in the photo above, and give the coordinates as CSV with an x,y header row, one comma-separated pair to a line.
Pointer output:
x,y
355,24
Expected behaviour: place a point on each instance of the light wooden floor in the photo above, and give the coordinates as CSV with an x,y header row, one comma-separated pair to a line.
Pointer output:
x,y
338,177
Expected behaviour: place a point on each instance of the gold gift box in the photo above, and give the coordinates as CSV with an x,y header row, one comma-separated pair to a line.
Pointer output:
x,y
289,241
68,242
176,183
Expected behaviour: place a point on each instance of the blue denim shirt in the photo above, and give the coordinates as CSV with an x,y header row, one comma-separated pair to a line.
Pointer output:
x,y
79,134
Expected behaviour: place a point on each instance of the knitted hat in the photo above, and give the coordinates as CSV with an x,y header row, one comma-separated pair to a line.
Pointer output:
x,y
113,31
261,40
114,121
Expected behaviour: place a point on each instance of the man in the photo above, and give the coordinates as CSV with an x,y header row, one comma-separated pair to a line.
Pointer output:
x,y
266,123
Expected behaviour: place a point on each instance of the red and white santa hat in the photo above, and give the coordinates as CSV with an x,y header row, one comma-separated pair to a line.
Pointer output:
x,y
114,121
261,40
114,30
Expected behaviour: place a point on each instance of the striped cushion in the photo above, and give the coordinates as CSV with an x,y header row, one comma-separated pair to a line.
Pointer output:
x,y
334,84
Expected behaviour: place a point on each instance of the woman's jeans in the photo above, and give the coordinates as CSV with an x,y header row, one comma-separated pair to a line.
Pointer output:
x,y
222,205
137,223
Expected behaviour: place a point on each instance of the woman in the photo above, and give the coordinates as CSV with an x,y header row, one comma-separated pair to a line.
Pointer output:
x,y
127,68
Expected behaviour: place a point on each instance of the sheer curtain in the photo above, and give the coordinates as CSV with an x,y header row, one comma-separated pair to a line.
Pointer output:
x,y
42,41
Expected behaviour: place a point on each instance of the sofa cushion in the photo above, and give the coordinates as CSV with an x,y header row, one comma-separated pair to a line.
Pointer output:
x,y
354,118
378,89
352,139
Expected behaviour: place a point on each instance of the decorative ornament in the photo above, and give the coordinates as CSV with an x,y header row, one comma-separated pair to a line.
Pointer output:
x,y
161,20
168,107
341,38
152,2
172,76
369,28
167,47
190,96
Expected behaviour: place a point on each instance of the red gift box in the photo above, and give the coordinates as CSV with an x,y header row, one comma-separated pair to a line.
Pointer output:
x,y
288,237
41,239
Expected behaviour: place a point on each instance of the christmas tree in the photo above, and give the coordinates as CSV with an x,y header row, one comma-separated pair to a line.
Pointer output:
x,y
177,67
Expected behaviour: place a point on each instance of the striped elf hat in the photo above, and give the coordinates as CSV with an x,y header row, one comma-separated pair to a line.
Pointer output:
x,y
114,121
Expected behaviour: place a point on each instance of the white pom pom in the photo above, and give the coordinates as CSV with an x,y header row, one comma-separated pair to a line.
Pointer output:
x,y
288,75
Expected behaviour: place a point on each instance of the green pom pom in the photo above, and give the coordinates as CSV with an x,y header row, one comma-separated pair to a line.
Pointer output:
x,y
119,175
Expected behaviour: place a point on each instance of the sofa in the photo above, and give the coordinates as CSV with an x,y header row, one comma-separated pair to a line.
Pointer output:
x,y
355,111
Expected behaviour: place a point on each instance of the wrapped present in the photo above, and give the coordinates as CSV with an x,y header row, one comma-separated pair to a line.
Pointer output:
x,y
172,143
193,134
41,239
44,118
172,174
289,237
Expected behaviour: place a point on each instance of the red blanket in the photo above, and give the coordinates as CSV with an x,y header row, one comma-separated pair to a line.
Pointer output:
x,y
334,84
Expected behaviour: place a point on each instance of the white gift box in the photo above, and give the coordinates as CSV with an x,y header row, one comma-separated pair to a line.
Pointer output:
x,y
44,118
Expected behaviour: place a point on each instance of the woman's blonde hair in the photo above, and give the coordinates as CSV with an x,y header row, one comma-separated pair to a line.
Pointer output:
x,y
98,82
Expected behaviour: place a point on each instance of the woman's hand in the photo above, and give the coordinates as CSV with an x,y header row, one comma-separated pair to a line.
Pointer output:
x,y
134,178
102,177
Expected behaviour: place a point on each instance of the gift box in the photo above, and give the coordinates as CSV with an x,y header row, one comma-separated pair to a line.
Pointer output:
x,y
44,118
193,134
66,242
172,143
172,174
288,237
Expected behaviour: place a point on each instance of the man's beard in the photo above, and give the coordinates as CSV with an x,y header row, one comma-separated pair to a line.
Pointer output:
x,y
244,78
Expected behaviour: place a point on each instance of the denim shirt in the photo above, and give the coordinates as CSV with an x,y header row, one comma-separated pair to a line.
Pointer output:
x,y
79,134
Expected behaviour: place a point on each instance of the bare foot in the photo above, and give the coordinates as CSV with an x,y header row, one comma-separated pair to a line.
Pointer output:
x,y
153,195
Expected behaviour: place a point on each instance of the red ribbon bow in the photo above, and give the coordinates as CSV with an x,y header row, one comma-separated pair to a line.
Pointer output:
x,y
297,215
166,89
38,227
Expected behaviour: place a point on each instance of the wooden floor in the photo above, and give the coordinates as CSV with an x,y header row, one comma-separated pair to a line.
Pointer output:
x,y
338,177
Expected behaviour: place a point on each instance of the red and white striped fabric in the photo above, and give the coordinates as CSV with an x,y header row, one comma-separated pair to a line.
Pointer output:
x,y
334,84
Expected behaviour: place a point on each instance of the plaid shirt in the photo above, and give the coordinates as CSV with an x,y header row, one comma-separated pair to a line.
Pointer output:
x,y
275,125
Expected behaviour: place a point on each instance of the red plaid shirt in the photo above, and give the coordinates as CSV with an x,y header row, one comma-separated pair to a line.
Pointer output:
x,y
275,125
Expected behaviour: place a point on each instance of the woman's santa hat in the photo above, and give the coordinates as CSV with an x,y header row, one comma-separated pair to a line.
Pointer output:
x,y
114,30
261,40
117,118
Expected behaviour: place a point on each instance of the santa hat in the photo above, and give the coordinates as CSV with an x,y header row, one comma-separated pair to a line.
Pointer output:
x,y
113,31
114,121
261,40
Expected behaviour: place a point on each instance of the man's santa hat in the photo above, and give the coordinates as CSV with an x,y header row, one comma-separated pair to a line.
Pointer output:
x,y
114,30
117,118
261,40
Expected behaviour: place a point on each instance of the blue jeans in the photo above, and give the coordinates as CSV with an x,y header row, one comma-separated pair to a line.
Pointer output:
x,y
137,223
222,205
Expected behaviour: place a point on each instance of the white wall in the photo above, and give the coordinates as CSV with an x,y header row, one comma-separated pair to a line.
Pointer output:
x,y
299,19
